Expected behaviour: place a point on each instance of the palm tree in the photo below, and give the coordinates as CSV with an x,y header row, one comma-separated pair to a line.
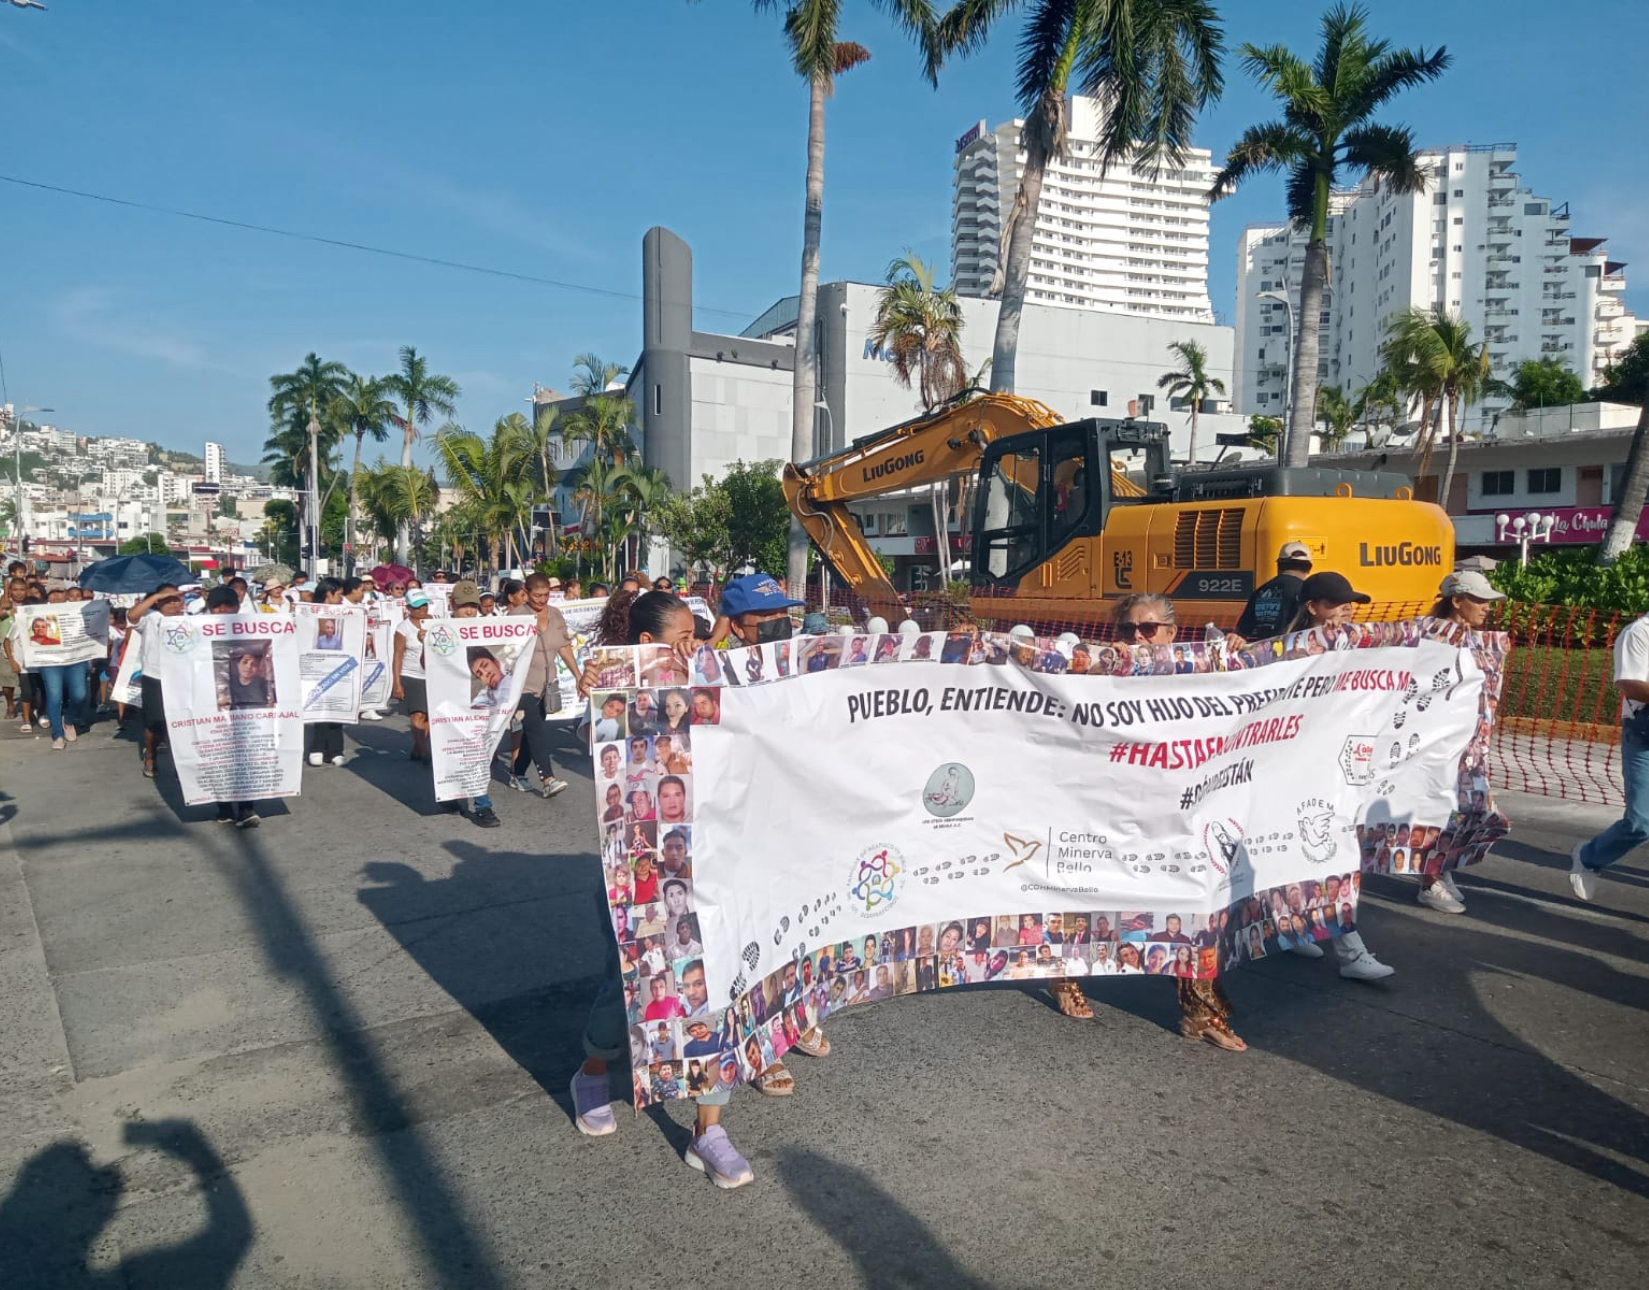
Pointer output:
x,y
639,492
921,327
362,409
492,478
1336,413
603,422
423,394
1192,383
542,439
593,488
1432,351
1626,380
1326,128
592,376
310,389
1382,396
296,398
1153,62
811,28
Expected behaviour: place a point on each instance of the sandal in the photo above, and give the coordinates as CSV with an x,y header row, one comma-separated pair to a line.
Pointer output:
x,y
1072,1002
813,1043
776,1081
1212,1030
148,768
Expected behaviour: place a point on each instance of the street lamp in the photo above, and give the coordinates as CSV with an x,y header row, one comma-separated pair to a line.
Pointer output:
x,y
1533,527
830,429
16,416
1288,365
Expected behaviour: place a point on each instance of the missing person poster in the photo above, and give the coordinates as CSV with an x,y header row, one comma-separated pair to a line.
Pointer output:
x,y
331,651
475,669
823,821
581,617
232,691
57,635
376,652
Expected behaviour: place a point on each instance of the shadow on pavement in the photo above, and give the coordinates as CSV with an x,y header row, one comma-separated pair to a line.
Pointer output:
x,y
892,1248
61,1201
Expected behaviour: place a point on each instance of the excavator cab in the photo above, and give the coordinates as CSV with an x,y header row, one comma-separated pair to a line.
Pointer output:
x,y
1043,490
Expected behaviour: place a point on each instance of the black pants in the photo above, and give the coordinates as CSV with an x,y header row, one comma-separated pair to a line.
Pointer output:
x,y
32,691
535,738
327,738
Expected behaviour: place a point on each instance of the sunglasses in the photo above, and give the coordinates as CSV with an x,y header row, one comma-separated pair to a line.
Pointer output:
x,y
1130,630
397,586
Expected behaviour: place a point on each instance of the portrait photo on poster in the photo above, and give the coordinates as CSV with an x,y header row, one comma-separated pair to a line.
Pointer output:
x,y
244,675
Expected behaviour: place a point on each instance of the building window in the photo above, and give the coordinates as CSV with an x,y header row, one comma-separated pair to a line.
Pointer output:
x,y
1499,483
1147,403
1459,192
1099,398
1546,479
658,400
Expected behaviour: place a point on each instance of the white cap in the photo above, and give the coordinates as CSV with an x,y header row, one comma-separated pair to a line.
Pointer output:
x,y
1022,632
1069,638
910,627
876,626
848,630
1470,583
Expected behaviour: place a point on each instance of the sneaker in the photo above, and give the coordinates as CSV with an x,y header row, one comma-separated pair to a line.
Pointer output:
x,y
69,734
45,723
58,745
593,1105
484,816
553,786
520,783
226,814
1438,897
713,1152
1365,967
338,760
247,819
1307,950
369,714
1582,881
315,759
1447,880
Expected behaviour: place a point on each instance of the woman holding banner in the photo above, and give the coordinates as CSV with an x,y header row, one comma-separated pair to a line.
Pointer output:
x,y
326,738
406,671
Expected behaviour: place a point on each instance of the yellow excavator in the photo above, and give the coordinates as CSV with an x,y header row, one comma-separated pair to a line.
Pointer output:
x,y
1068,517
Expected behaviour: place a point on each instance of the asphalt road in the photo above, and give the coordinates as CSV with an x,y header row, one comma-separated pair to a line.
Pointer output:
x,y
333,1052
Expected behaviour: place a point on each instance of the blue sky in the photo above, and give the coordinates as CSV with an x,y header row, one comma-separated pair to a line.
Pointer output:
x,y
545,138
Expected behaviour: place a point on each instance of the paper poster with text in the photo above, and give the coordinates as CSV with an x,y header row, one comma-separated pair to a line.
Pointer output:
x,y
581,617
233,690
56,635
331,653
825,821
377,650
475,668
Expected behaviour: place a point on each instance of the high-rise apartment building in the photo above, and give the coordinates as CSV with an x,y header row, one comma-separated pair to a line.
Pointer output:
x,y
217,463
1125,240
1475,241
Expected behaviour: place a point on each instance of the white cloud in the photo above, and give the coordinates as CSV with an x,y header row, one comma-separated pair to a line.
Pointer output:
x,y
90,315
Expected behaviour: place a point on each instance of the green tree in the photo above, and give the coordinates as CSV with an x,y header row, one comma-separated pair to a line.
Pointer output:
x,y
148,544
920,327
1154,63
638,492
1434,349
1264,433
1381,398
758,518
1627,381
399,498
1325,130
818,54
1192,382
424,395
294,399
1336,415
542,437
492,479
592,376
603,421
696,524
362,409
1545,383
280,530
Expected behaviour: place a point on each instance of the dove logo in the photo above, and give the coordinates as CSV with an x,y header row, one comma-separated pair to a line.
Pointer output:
x,y
1319,830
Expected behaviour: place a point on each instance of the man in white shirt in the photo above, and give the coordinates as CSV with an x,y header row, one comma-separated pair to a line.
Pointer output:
x,y
1632,829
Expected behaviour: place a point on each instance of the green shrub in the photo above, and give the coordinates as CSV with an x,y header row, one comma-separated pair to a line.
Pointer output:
x,y
1570,576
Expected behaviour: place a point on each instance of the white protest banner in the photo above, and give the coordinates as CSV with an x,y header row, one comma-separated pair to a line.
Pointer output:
x,y
231,688
581,617
923,812
331,647
376,653
129,674
475,668
440,599
56,635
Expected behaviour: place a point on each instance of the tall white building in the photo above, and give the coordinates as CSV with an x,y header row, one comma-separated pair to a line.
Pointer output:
x,y
217,463
1475,241
1125,241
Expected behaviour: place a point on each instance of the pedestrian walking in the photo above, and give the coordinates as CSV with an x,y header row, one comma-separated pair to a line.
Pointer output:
x,y
541,690
1625,835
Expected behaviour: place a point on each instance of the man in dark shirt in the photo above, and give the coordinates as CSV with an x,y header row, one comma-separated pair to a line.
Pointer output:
x,y
1274,604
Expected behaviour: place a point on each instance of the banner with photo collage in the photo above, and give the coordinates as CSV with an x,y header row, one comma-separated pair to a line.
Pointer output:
x,y
798,827
475,668
581,617
331,647
57,635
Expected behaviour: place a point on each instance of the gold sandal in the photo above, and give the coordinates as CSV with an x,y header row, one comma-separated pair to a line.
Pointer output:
x,y
776,1081
1072,1002
1213,1030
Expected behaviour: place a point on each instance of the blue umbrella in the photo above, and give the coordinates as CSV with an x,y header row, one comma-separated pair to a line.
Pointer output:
x,y
128,575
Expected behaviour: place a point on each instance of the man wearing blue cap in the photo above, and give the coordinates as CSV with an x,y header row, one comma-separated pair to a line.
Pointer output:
x,y
757,611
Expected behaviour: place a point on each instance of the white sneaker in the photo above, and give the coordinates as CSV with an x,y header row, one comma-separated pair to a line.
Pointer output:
x,y
1582,881
1448,881
520,783
1365,967
1307,950
1438,897
338,760
371,714
554,786
315,759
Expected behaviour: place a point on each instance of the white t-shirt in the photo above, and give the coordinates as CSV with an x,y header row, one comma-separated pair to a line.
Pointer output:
x,y
412,662
1632,661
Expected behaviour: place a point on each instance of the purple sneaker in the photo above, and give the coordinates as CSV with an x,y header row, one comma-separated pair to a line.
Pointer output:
x,y
713,1152
593,1105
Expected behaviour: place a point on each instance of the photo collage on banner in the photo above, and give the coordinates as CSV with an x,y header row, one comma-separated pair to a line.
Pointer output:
x,y
232,689
56,635
475,669
331,650
743,918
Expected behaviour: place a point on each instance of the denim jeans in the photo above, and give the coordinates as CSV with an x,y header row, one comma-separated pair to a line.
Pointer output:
x,y
1631,830
70,678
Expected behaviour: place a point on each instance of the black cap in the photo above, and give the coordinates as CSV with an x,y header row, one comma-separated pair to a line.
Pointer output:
x,y
1333,588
